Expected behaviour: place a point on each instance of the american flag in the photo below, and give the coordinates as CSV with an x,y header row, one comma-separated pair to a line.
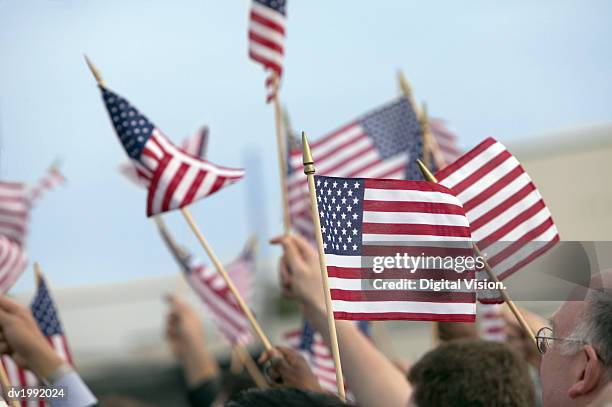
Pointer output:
x,y
508,217
380,144
366,218
214,292
267,38
313,348
14,211
13,261
195,145
174,179
446,139
47,318
491,322
51,180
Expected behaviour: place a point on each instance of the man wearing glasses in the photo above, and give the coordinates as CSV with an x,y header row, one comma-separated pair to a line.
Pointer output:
x,y
576,350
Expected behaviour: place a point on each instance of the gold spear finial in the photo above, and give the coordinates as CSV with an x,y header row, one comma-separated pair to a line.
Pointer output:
x,y
307,156
425,171
37,273
94,71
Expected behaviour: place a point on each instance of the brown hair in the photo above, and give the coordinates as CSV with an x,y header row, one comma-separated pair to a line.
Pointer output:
x,y
471,373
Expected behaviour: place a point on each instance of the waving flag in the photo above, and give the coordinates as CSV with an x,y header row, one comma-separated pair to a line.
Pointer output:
x,y
267,38
196,145
508,217
379,144
46,316
212,290
365,219
174,178
51,180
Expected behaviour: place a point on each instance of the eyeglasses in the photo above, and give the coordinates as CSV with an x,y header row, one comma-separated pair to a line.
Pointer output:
x,y
545,337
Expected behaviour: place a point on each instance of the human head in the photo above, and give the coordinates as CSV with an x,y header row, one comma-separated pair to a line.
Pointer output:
x,y
284,397
574,370
471,373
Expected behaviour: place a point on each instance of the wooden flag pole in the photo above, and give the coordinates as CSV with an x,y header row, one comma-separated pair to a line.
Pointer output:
x,y
309,170
247,361
506,297
282,152
230,284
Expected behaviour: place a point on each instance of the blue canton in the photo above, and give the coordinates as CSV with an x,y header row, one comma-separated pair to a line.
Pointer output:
x,y
132,127
307,337
44,311
279,6
340,202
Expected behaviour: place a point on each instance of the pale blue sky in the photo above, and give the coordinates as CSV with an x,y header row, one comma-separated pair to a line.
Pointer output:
x,y
508,69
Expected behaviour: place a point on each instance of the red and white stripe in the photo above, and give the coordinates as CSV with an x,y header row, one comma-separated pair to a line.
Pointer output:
x,y
177,179
50,181
320,359
14,211
13,262
411,217
446,140
267,37
196,145
21,377
218,298
508,217
491,322
347,152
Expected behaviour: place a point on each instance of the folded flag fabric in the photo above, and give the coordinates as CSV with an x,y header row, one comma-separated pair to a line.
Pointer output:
x,y
509,220
379,144
365,220
174,178
195,145
46,316
267,39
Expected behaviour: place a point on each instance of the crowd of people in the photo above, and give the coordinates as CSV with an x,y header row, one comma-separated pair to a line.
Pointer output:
x,y
570,366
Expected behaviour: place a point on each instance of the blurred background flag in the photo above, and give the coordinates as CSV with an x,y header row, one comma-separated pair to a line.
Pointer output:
x,y
214,292
174,178
46,316
14,211
379,144
366,218
195,145
51,180
446,140
491,322
267,38
508,217
313,348
13,261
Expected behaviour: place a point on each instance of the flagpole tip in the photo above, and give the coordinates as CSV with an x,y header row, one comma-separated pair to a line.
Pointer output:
x,y
307,156
37,273
94,71
425,171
